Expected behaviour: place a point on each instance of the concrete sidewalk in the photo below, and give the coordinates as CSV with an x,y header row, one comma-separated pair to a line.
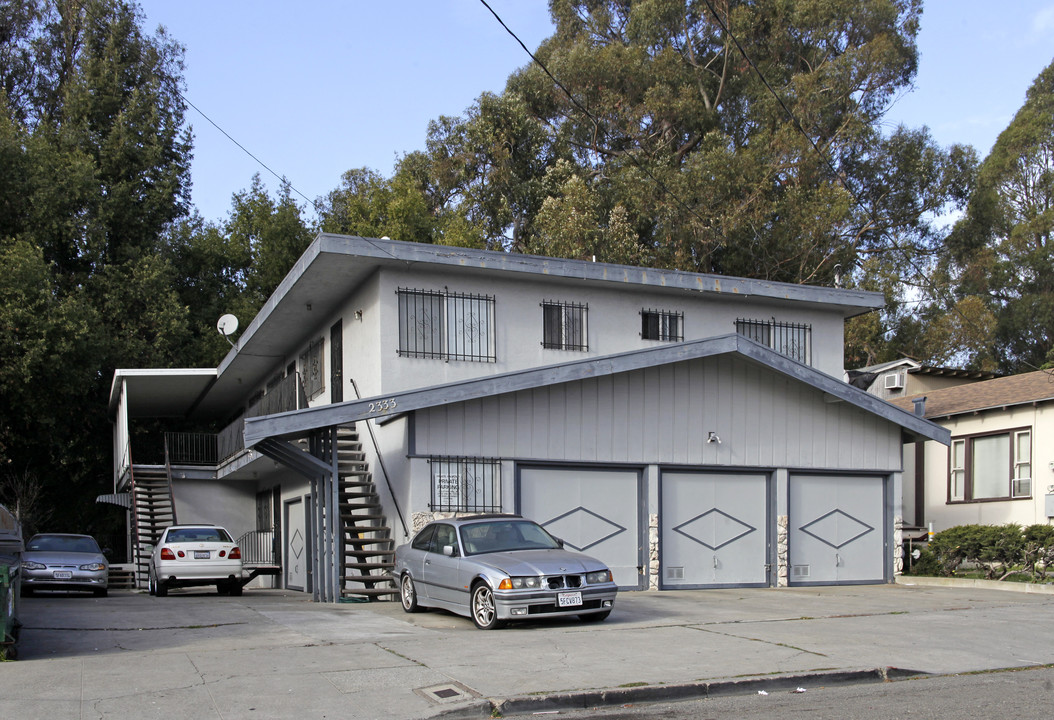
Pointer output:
x,y
274,654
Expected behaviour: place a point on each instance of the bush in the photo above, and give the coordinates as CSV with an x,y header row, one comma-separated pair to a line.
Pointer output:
x,y
998,550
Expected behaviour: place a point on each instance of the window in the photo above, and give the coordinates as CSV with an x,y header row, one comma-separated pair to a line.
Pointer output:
x,y
311,368
466,485
564,326
791,339
661,325
990,467
449,326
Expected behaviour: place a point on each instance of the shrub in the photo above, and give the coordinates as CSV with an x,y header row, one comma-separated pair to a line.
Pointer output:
x,y
997,549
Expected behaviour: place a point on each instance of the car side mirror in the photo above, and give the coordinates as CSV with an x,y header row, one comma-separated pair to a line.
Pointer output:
x,y
560,542
449,550
107,552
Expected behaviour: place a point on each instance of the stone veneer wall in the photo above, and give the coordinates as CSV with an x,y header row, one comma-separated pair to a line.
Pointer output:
x,y
898,545
782,552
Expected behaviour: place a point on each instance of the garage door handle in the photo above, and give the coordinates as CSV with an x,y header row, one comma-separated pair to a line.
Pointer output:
x,y
837,560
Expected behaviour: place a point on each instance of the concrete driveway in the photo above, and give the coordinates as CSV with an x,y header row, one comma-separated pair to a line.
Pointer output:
x,y
275,654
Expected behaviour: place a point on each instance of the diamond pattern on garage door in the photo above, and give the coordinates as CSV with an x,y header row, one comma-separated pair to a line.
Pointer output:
x,y
832,529
591,528
709,524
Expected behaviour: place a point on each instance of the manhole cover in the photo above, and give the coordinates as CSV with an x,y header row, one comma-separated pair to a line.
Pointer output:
x,y
447,693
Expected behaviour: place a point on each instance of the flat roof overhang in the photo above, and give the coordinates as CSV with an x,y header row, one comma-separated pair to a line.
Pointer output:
x,y
333,265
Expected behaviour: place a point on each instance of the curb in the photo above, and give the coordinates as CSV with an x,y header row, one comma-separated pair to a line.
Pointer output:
x,y
587,699
927,581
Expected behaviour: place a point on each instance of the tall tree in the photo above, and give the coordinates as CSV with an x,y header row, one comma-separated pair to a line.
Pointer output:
x,y
96,158
1001,250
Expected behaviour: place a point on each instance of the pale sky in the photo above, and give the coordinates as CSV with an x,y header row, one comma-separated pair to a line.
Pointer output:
x,y
316,88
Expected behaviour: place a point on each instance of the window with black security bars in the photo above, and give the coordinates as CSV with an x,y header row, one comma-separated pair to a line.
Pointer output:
x,y
791,339
465,484
445,325
661,325
564,326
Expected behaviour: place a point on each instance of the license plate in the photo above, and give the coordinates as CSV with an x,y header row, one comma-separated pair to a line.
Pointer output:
x,y
569,599
63,574
201,554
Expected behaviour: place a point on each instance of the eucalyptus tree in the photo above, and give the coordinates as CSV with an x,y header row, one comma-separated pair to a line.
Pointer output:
x,y
1001,250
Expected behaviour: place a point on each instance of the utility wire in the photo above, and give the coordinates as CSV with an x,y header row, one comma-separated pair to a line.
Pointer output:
x,y
262,164
117,6
921,272
596,123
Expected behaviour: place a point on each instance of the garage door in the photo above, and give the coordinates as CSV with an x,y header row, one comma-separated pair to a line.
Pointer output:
x,y
837,530
595,511
714,530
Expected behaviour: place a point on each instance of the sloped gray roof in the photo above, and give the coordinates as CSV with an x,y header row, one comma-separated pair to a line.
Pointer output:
x,y
301,422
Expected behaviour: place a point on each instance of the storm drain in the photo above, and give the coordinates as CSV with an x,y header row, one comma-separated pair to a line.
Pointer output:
x,y
447,693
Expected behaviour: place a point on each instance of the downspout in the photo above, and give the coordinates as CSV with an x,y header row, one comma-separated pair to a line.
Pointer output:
x,y
920,467
317,590
334,536
380,461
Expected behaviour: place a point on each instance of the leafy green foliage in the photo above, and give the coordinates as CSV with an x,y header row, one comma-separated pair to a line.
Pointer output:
x,y
1000,252
96,161
998,550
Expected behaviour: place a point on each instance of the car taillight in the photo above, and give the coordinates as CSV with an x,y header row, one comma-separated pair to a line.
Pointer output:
x,y
236,553
167,554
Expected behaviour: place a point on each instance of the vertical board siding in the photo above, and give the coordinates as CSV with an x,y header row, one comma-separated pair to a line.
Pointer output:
x,y
663,415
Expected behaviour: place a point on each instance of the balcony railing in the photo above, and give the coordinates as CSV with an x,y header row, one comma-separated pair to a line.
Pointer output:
x,y
258,548
191,448
210,449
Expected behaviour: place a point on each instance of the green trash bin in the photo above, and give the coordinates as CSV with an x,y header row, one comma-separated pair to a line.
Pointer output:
x,y
10,581
8,593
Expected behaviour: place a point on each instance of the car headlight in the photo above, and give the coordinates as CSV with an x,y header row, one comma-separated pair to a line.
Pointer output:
x,y
601,576
93,566
519,583
30,565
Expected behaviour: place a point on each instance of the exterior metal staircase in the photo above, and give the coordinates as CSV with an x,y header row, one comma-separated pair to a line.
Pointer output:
x,y
369,549
153,509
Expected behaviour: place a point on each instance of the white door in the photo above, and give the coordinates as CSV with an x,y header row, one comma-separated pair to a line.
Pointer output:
x,y
297,546
837,529
594,511
714,529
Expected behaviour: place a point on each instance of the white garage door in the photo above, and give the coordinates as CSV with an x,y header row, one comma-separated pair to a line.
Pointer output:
x,y
594,511
837,530
714,529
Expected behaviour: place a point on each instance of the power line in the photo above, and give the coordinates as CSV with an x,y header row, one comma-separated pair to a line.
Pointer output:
x,y
116,6
920,272
262,164
596,123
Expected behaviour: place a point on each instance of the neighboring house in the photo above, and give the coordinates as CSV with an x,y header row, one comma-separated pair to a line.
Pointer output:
x,y
690,430
906,377
999,467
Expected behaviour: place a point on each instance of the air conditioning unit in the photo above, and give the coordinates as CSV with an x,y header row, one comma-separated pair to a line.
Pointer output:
x,y
894,381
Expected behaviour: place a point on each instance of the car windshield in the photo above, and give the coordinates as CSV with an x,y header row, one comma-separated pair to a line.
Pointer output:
x,y
505,535
63,543
197,534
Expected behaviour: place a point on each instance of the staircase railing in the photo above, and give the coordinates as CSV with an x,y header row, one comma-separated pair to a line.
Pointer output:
x,y
380,461
258,548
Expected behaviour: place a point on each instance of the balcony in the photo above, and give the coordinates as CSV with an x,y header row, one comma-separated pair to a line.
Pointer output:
x,y
211,449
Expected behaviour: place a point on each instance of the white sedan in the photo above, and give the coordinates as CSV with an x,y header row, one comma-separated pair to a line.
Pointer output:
x,y
196,555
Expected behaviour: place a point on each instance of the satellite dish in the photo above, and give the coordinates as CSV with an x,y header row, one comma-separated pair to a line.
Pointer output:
x,y
227,325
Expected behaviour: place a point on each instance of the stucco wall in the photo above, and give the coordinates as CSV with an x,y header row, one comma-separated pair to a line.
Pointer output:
x,y
1023,511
